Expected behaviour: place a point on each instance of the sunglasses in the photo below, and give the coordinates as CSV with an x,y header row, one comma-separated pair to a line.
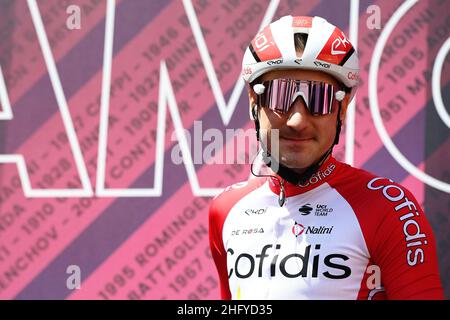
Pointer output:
x,y
279,95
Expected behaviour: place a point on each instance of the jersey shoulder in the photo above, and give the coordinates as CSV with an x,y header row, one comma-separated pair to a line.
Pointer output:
x,y
368,189
379,203
225,200
397,233
218,212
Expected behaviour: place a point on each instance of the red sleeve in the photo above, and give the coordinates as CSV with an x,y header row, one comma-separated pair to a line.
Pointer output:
x,y
404,246
398,236
216,220
218,211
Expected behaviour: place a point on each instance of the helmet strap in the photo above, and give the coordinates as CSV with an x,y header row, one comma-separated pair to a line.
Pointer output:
x,y
256,119
338,125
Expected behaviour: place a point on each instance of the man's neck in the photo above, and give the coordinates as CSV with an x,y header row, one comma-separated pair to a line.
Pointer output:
x,y
302,170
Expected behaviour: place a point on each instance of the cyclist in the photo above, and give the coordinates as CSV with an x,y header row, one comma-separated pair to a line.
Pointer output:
x,y
315,227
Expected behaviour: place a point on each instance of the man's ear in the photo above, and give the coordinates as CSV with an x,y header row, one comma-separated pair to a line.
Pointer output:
x,y
344,106
254,112
252,105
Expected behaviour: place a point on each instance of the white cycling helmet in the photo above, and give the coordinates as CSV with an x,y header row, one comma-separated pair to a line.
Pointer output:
x,y
327,49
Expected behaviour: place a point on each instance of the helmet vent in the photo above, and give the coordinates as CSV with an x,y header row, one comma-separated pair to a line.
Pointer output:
x,y
300,43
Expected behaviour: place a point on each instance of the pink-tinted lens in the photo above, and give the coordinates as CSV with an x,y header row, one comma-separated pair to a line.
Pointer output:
x,y
280,94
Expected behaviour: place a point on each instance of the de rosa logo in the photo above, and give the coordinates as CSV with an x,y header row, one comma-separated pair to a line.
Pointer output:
x,y
247,231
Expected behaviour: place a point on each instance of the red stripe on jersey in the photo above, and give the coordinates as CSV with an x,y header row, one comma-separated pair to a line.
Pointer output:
x,y
385,227
218,211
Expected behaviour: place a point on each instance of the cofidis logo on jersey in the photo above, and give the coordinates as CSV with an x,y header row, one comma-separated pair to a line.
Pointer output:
x,y
319,176
407,213
294,265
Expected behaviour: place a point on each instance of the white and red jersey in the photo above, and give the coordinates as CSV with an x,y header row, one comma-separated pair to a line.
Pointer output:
x,y
346,234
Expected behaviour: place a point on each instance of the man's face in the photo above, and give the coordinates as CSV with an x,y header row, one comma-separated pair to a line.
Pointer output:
x,y
303,138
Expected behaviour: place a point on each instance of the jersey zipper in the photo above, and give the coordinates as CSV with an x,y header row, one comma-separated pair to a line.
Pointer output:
x,y
282,195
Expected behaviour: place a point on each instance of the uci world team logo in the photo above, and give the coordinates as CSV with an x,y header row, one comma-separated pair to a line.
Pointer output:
x,y
305,209
320,210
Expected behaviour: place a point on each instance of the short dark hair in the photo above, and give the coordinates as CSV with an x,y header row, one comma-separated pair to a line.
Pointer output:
x,y
300,42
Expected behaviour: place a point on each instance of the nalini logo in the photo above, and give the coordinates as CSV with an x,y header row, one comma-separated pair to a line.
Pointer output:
x,y
298,229
305,209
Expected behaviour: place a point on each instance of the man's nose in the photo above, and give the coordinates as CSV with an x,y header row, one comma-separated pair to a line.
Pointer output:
x,y
298,114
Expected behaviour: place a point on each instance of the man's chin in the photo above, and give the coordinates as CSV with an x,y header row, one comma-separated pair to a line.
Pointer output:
x,y
293,162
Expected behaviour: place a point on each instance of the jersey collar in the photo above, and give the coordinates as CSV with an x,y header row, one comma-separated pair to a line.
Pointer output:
x,y
326,171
